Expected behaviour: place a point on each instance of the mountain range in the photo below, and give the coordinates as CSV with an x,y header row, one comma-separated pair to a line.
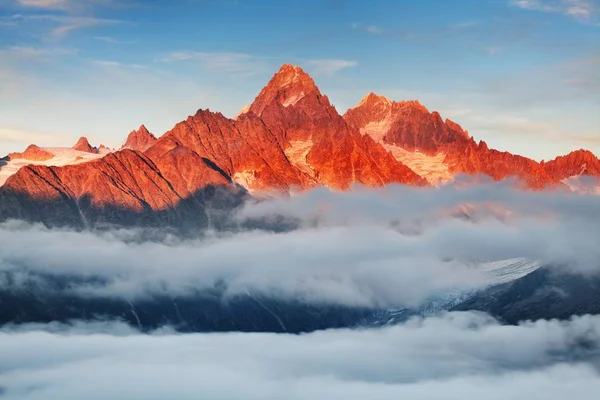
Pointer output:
x,y
291,138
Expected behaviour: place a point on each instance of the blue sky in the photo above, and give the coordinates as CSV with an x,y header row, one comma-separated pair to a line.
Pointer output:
x,y
524,75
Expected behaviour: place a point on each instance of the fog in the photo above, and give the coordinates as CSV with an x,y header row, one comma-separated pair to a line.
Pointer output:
x,y
395,246
452,356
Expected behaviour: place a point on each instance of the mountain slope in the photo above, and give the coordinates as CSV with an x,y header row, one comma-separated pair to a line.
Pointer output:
x,y
84,145
576,163
543,294
140,140
316,138
244,150
123,188
32,153
416,136
290,138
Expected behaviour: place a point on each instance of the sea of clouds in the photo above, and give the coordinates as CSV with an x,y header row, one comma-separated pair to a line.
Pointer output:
x,y
451,356
389,247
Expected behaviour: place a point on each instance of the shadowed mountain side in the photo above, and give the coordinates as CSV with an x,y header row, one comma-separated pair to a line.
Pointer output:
x,y
125,189
542,294
210,206
204,311
42,298
4,161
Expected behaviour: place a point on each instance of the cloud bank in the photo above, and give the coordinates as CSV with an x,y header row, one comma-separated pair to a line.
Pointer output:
x,y
454,356
394,247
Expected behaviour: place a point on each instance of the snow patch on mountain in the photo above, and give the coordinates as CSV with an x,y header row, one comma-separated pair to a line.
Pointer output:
x,y
245,178
291,78
243,111
494,273
293,99
504,271
432,168
62,156
297,151
378,129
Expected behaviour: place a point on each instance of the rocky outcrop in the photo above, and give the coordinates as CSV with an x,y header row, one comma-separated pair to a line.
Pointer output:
x,y
411,127
84,145
576,163
124,188
244,150
140,140
407,124
318,140
290,138
32,153
479,159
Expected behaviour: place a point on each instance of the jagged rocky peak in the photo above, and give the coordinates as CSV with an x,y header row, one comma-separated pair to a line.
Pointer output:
x,y
412,104
379,113
583,154
140,139
291,75
371,99
578,162
243,111
288,86
84,145
32,153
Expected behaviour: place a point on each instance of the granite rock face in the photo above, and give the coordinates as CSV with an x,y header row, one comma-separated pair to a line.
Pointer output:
x,y
408,125
84,145
140,140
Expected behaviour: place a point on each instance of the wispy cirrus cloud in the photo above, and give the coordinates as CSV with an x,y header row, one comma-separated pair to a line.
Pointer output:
x,y
71,5
68,24
62,25
113,40
585,11
117,64
60,16
463,25
328,66
47,4
242,64
232,63
32,52
371,29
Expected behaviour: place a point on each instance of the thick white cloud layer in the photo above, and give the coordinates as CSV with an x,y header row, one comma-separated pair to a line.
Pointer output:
x,y
364,266
391,247
454,356
551,226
